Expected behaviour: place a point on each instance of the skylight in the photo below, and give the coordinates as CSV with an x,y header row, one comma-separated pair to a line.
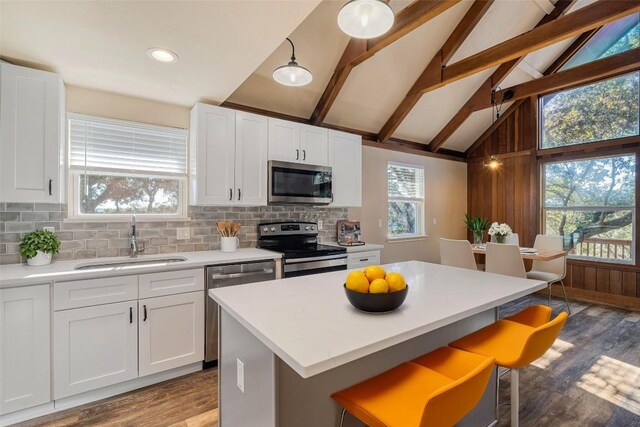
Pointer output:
x,y
613,38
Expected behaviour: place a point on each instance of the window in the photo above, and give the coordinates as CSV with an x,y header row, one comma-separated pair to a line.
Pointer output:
x,y
591,204
120,168
600,111
406,200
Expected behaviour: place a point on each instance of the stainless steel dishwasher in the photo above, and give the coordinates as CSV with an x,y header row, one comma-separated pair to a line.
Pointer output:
x,y
219,276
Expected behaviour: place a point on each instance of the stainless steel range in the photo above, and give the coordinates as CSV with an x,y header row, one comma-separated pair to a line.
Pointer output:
x,y
301,253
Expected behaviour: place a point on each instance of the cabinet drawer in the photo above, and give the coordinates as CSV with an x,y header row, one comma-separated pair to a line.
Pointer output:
x,y
84,293
171,282
363,259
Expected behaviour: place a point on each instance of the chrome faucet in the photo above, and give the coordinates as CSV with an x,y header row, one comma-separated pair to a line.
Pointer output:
x,y
133,242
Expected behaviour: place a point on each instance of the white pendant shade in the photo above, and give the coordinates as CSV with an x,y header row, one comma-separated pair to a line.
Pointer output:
x,y
292,74
365,19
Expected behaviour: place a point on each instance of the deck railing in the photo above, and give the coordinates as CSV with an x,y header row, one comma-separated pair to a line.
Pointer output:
x,y
604,248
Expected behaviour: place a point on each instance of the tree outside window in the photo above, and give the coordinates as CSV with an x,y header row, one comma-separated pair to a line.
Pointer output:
x,y
405,186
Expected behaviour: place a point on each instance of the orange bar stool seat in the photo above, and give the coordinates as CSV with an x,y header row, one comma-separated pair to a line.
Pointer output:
x,y
515,342
435,390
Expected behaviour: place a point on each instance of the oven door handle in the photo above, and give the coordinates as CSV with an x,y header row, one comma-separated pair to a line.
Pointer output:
x,y
319,258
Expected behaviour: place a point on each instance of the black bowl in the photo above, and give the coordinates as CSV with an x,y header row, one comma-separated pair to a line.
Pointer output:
x,y
376,303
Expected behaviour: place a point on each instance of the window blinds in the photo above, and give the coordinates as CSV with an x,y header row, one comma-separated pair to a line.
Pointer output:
x,y
405,181
98,143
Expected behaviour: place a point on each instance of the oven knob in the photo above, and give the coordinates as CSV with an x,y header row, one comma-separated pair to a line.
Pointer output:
x,y
273,229
307,228
312,228
265,229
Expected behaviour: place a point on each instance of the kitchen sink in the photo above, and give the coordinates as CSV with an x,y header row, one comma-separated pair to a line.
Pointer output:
x,y
128,262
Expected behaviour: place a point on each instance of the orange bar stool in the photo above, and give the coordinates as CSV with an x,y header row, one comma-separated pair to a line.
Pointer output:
x,y
515,342
435,390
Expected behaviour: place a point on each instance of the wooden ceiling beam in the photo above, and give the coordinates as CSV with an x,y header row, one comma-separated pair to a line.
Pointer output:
x,y
359,50
562,6
553,68
449,48
589,17
580,75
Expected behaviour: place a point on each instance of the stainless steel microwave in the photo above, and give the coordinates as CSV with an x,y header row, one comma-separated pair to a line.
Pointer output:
x,y
299,183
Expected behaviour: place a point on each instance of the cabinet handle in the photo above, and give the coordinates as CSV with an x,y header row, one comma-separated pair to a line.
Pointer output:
x,y
50,187
144,309
297,154
304,154
230,194
364,259
239,194
130,314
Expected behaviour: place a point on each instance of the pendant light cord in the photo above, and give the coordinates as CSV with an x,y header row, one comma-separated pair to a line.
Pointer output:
x,y
293,50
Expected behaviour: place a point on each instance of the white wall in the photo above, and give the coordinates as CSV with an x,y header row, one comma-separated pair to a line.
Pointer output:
x,y
123,107
445,201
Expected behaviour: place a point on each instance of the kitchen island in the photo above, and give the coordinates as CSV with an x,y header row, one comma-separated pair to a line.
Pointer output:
x,y
286,345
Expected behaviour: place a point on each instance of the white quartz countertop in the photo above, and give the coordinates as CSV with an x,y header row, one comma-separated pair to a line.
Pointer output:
x,y
308,322
359,248
14,275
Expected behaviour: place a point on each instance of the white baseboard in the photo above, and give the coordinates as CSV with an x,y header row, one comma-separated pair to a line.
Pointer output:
x,y
94,395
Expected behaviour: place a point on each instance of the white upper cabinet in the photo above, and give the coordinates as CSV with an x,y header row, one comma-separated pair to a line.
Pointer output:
x,y
228,157
314,147
298,143
32,135
25,369
345,154
251,163
212,138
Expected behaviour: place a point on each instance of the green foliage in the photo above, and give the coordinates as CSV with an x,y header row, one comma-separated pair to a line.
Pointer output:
x,y
39,240
476,223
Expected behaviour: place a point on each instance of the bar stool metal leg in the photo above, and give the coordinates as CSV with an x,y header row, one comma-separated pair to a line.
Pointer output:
x,y
515,397
566,300
342,416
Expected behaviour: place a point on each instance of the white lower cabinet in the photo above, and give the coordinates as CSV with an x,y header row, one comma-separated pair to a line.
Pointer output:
x,y
25,369
94,347
362,259
171,332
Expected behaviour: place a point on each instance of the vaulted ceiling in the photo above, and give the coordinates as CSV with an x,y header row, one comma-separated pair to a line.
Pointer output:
x,y
229,49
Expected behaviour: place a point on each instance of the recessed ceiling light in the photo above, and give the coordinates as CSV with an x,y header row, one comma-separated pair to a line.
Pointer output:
x,y
162,55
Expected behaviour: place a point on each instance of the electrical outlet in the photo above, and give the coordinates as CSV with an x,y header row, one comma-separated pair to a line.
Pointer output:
x,y
379,223
434,221
51,229
240,374
320,224
183,233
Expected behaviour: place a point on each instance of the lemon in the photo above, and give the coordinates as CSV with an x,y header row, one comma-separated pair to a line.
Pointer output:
x,y
379,286
396,282
356,281
374,272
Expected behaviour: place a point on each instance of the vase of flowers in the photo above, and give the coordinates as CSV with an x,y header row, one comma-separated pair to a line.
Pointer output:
x,y
500,231
478,226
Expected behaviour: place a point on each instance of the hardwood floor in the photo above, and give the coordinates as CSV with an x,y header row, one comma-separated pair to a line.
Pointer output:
x,y
590,377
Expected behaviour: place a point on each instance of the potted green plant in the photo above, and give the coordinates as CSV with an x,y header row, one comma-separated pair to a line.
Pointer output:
x,y
39,246
478,226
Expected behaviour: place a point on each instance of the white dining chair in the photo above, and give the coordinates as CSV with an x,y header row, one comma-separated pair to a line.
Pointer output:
x,y
553,271
457,253
505,259
511,239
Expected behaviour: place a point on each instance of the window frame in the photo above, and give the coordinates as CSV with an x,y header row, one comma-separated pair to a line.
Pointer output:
x,y
579,146
592,156
74,174
420,217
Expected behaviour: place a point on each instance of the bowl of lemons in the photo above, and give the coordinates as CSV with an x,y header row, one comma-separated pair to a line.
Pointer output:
x,y
374,290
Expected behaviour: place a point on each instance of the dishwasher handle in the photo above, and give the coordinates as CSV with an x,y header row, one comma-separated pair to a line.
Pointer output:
x,y
241,275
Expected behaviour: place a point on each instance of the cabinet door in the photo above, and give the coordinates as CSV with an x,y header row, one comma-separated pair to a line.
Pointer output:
x,y
284,141
94,347
25,352
171,332
31,135
313,145
212,152
362,259
251,159
346,162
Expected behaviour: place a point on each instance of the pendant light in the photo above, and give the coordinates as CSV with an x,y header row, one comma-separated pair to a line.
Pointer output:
x,y
365,19
292,74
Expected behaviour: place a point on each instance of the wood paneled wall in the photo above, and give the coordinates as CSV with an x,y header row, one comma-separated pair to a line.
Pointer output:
x,y
511,194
